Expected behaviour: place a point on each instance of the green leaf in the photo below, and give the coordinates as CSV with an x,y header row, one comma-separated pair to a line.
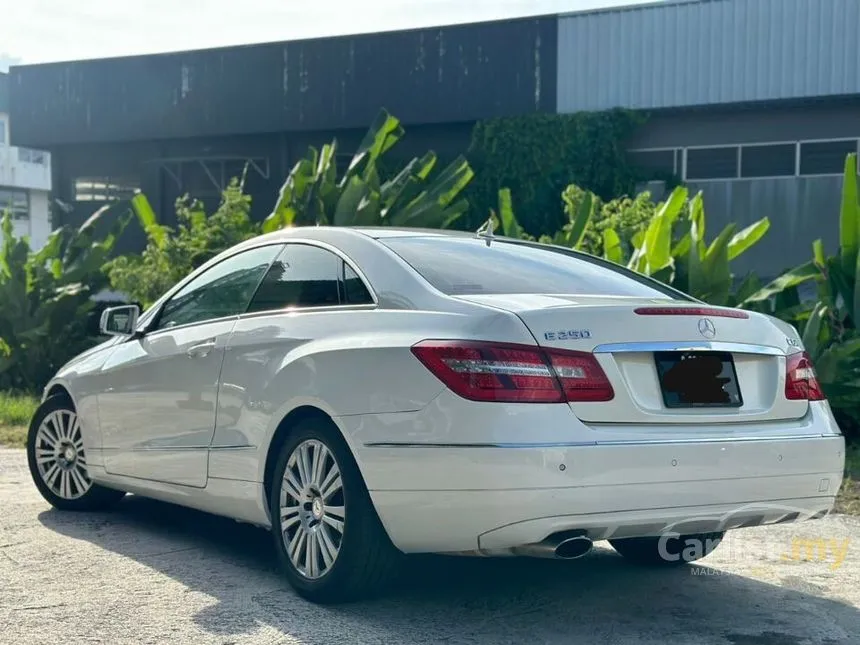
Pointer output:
x,y
812,330
350,204
612,250
384,132
849,216
657,252
292,203
787,280
818,253
430,205
510,226
579,216
748,237
148,221
716,276
748,287
696,279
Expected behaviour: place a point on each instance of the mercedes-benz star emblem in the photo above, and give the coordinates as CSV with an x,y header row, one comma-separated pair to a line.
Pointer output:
x,y
706,328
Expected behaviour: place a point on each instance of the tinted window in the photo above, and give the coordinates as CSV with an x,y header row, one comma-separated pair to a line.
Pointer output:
x,y
460,266
768,161
223,290
302,276
712,163
354,292
826,157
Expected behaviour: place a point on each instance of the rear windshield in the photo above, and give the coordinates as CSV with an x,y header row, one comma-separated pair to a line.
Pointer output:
x,y
465,266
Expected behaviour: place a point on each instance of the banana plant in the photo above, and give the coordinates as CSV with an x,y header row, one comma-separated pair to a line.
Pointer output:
x,y
314,194
671,248
829,326
579,206
47,296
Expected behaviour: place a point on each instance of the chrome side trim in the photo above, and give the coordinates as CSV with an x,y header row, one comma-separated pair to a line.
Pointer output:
x,y
586,444
693,346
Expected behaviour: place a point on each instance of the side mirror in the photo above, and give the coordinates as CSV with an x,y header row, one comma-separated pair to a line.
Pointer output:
x,y
119,321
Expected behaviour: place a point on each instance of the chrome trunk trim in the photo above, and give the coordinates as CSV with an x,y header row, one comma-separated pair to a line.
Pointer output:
x,y
692,346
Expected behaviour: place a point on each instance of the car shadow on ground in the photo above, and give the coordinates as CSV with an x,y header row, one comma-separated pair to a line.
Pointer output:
x,y
597,599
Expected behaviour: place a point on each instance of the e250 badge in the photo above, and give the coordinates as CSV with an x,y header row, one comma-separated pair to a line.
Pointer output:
x,y
568,334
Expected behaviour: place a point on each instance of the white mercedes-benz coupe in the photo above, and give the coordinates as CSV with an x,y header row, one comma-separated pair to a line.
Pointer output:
x,y
368,393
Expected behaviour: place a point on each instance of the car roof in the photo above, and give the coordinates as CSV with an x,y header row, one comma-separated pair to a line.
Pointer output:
x,y
375,232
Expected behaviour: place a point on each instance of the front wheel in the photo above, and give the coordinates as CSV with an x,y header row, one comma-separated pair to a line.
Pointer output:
x,y
668,550
327,534
58,463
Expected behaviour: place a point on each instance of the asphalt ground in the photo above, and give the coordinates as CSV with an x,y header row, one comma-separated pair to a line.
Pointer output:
x,y
149,572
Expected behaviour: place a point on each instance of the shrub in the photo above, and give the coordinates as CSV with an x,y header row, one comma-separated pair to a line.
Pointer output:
x,y
171,254
538,155
830,325
47,298
363,196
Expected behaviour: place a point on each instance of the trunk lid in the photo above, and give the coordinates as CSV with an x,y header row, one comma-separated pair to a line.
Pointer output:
x,y
626,344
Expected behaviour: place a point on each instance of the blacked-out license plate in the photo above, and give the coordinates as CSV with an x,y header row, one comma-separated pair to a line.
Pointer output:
x,y
698,380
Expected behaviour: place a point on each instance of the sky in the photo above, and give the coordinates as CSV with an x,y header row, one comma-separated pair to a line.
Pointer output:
x,y
39,31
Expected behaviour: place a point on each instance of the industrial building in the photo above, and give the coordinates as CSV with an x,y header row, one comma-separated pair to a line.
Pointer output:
x,y
25,181
754,102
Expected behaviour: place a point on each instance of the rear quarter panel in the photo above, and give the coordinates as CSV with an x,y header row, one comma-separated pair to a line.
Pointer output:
x,y
346,363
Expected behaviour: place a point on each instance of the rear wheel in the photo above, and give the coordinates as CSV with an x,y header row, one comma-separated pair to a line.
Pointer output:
x,y
58,463
668,550
328,537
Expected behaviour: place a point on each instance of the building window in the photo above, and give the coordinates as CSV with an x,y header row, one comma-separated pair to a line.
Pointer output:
x,y
776,160
16,202
826,157
104,189
712,163
27,155
656,162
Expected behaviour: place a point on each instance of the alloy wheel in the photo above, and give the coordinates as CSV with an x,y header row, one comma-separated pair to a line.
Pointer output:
x,y
60,456
312,509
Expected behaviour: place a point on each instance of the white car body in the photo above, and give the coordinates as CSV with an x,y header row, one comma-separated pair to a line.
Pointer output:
x,y
190,414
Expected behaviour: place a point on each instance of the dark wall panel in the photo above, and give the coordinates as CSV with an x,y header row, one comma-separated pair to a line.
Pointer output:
x,y
448,74
4,92
153,166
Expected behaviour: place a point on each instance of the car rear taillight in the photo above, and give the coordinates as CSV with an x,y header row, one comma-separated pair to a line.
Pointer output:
x,y
484,371
801,383
691,311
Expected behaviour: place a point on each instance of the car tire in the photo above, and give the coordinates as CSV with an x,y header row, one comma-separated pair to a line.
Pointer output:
x,y
668,550
328,537
55,454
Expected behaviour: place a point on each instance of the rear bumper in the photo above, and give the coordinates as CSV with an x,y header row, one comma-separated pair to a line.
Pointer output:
x,y
435,498
494,522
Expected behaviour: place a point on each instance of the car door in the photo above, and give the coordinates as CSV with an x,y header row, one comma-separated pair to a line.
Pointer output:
x,y
311,283
158,402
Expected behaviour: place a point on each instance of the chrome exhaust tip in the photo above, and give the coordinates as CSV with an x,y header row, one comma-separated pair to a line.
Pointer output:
x,y
566,545
574,547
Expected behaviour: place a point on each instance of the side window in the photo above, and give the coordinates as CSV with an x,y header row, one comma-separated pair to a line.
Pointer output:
x,y
354,292
223,290
302,276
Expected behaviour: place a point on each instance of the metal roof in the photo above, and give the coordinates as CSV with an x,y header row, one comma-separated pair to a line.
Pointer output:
x,y
706,52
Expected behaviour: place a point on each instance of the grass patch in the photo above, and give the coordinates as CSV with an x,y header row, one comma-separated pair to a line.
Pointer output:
x,y
16,410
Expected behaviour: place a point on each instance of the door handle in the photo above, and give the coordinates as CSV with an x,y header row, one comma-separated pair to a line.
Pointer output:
x,y
202,350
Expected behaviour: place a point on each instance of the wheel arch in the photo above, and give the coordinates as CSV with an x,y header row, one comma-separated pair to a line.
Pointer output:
x,y
59,390
282,433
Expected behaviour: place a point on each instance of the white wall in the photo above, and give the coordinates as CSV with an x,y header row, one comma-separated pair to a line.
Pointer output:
x,y
38,227
25,168
40,218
